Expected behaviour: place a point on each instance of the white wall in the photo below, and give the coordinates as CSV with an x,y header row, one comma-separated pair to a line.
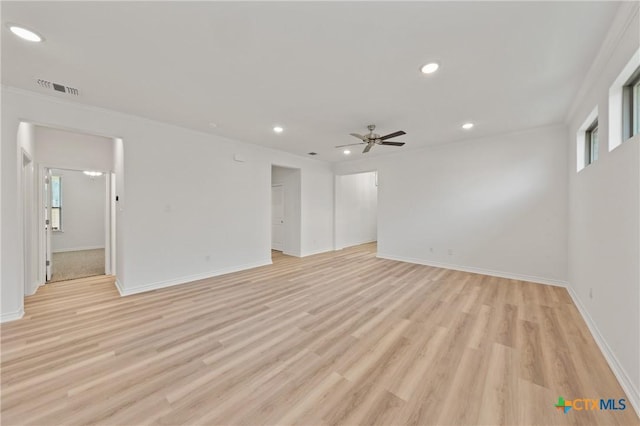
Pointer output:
x,y
12,207
498,203
83,212
317,210
604,216
29,216
356,209
26,137
73,150
189,210
290,179
118,218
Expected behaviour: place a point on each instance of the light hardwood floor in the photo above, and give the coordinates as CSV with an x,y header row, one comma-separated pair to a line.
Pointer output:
x,y
337,338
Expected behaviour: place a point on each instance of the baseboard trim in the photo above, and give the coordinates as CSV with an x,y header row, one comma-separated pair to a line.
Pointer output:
x,y
188,278
311,253
34,288
119,287
474,270
357,244
78,249
12,316
623,378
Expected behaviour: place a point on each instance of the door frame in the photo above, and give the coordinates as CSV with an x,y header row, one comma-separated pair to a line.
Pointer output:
x,y
293,210
336,190
109,223
47,197
282,186
37,228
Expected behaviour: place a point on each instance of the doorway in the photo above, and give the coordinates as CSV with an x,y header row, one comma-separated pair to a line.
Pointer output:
x,y
49,152
356,209
277,217
77,218
285,210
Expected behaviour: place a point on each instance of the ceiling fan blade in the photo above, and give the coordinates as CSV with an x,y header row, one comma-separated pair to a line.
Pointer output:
x,y
367,148
350,144
392,135
392,143
358,136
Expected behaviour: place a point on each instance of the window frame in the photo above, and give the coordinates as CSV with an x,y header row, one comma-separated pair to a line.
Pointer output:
x,y
591,152
631,106
635,106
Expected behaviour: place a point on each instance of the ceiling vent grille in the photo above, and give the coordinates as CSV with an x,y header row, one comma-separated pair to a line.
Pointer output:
x,y
58,87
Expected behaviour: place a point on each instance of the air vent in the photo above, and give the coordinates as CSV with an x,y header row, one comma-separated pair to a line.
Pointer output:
x,y
58,87
313,153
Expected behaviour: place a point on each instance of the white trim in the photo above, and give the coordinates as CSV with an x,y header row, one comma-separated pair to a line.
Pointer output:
x,y
78,249
34,287
311,253
12,316
357,243
616,107
276,185
482,271
119,287
623,378
627,12
188,278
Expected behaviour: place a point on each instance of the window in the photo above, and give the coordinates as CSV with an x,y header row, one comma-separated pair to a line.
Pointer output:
x,y
56,203
624,104
635,106
631,106
587,140
591,144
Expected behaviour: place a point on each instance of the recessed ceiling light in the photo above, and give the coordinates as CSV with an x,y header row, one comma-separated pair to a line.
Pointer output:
x,y
467,126
430,68
278,129
347,152
25,34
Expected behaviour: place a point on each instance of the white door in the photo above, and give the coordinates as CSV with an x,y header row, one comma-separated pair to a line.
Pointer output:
x,y
47,217
277,217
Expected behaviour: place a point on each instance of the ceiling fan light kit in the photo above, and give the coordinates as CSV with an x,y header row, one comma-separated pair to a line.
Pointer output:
x,y
372,139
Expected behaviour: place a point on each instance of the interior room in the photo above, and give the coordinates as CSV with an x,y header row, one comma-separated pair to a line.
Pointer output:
x,y
356,205
78,224
320,213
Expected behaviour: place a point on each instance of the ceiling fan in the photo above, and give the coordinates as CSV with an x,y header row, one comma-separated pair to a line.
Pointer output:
x,y
374,139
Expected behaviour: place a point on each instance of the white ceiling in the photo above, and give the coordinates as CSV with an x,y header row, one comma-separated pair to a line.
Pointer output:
x,y
319,69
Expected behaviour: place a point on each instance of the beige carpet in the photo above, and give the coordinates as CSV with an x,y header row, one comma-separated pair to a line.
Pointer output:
x,y
70,265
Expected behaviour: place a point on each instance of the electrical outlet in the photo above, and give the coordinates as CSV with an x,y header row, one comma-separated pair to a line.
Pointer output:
x,y
431,249
207,258
591,293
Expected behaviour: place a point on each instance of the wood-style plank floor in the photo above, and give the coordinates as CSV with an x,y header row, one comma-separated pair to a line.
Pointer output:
x,y
337,338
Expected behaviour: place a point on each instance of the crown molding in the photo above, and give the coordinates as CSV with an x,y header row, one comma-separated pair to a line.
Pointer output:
x,y
626,14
